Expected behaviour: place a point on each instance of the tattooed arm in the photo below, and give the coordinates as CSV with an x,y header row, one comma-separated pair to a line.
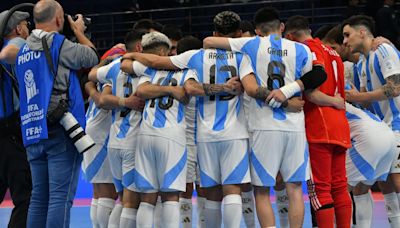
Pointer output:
x,y
233,86
390,90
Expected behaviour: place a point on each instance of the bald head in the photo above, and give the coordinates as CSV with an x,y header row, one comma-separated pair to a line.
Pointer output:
x,y
45,11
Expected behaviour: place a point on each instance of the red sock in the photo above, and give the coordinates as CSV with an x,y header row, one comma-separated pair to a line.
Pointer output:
x,y
325,218
343,217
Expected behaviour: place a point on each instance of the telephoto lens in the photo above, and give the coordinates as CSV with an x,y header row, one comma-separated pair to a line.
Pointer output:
x,y
81,140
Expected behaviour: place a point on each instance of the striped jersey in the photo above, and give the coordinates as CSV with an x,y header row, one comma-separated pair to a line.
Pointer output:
x,y
163,116
98,121
375,69
190,117
351,74
125,122
276,61
219,117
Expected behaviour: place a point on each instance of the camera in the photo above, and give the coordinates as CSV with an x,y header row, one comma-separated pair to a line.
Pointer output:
x,y
67,31
81,140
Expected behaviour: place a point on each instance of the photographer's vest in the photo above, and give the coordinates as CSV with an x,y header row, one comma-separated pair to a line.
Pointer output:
x,y
36,84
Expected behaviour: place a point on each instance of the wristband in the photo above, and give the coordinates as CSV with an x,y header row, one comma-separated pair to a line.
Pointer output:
x,y
290,89
121,102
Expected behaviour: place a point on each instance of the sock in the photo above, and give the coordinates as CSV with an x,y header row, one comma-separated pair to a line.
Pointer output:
x,y
392,209
186,212
282,204
248,209
113,221
212,214
104,209
158,213
201,203
170,214
128,218
364,208
232,210
93,213
145,215
325,217
343,208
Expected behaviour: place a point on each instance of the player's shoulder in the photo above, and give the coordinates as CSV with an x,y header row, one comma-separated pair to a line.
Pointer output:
x,y
386,50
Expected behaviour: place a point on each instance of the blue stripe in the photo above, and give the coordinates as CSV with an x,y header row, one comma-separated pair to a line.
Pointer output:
x,y
195,121
181,107
239,58
118,185
150,72
124,127
142,183
201,106
300,174
206,181
266,179
361,164
159,115
174,172
356,79
129,178
301,59
97,162
276,43
375,104
237,175
351,116
112,75
238,104
383,177
87,113
221,106
382,51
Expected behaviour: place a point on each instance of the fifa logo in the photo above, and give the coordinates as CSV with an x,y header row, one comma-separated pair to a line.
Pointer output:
x,y
30,85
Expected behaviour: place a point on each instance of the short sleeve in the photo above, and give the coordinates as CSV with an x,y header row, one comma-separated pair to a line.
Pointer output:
x,y
389,60
182,60
17,41
103,71
237,44
139,69
245,67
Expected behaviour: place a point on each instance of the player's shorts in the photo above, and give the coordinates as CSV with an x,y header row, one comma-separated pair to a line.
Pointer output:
x,y
274,151
160,165
191,164
223,162
396,161
370,158
122,163
95,165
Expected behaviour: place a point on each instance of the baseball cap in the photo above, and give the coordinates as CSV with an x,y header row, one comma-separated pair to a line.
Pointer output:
x,y
14,20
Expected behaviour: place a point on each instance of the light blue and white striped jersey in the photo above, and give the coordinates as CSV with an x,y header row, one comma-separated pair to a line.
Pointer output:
x,y
219,117
98,121
375,68
125,122
163,116
276,61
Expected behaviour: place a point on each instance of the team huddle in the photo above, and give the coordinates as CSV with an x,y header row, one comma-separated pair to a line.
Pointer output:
x,y
235,116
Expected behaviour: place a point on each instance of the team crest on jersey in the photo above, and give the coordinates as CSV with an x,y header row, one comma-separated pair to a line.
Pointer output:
x,y
371,68
30,85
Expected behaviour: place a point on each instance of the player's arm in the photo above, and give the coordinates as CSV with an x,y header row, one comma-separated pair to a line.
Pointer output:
x,y
93,72
193,88
216,42
146,90
319,98
151,60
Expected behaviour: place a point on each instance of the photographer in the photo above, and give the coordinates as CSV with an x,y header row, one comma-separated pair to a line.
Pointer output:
x,y
14,167
50,101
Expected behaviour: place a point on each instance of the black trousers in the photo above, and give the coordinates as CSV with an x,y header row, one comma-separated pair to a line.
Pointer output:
x,y
14,174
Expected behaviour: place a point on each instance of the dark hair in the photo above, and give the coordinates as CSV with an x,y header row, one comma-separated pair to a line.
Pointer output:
x,y
227,22
297,23
247,26
132,37
266,15
172,31
147,24
188,43
335,34
360,20
322,31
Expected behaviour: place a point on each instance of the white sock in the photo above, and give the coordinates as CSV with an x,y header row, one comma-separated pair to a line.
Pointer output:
x,y
145,214
93,213
104,209
212,214
158,213
232,210
201,205
364,208
113,221
128,218
248,209
392,209
282,205
186,212
170,214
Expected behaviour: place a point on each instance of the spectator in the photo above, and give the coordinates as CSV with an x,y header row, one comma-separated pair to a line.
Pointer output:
x,y
386,23
147,25
53,158
352,9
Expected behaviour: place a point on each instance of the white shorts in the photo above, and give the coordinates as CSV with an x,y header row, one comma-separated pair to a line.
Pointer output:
x,y
223,162
95,165
370,158
396,160
160,165
122,163
191,164
274,151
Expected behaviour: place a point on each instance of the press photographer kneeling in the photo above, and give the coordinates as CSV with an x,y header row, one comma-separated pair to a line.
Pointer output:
x,y
52,112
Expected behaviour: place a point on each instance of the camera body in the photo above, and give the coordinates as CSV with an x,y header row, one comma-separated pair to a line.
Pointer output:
x,y
67,31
